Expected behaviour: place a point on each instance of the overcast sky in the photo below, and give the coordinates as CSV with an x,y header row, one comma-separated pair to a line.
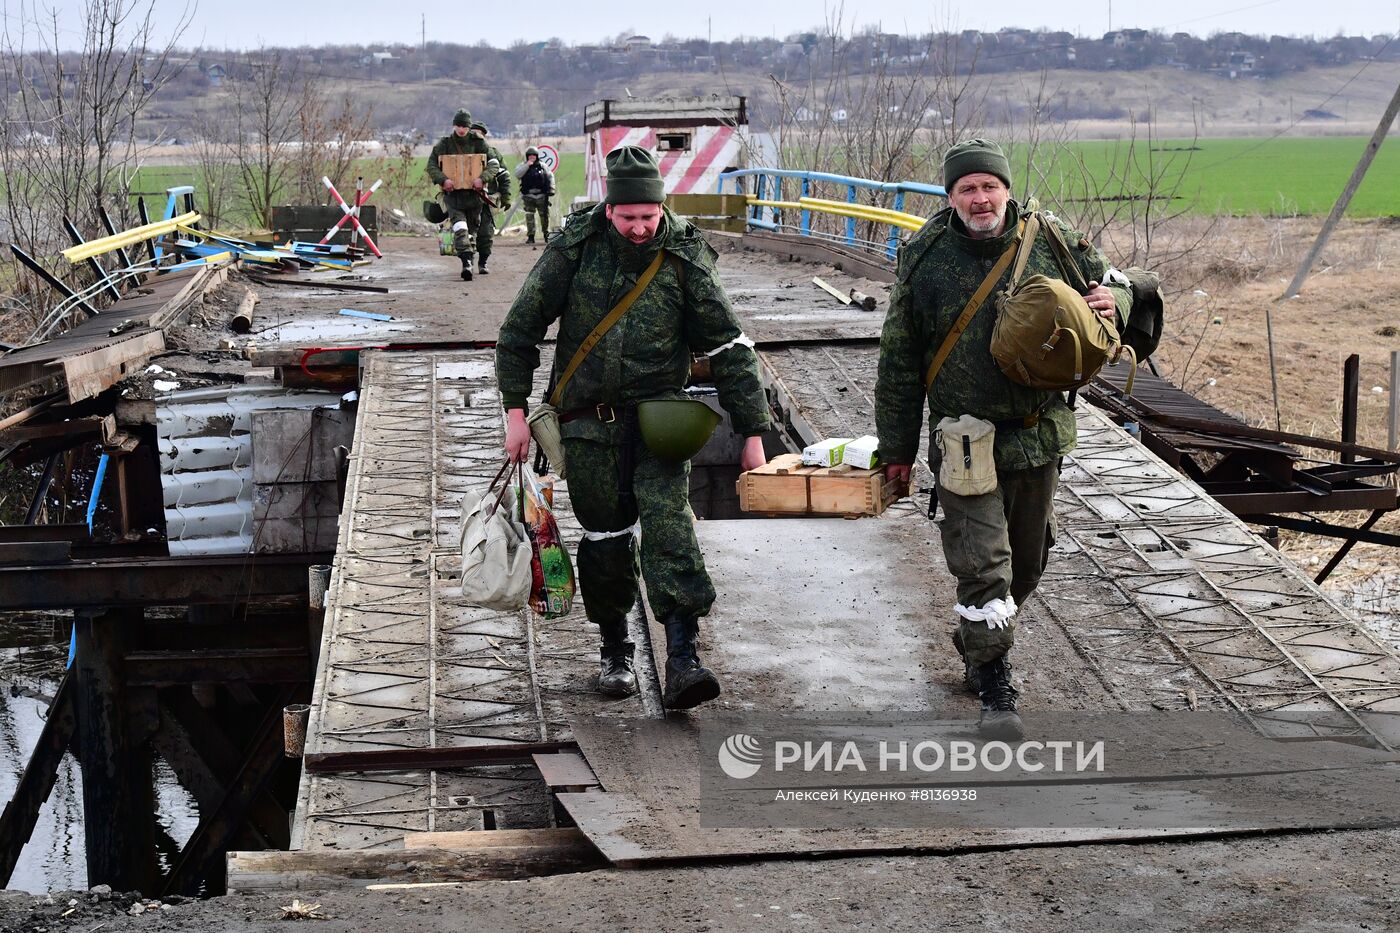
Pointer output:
x,y
250,23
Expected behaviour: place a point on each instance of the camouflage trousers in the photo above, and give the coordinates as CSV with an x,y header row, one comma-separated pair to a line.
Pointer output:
x,y
998,543
473,227
535,205
671,562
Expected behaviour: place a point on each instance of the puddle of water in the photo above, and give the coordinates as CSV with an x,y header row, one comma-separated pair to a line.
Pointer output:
x,y
33,649
331,328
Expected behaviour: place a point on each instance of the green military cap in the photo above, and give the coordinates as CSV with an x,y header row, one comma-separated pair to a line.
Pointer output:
x,y
478,125
462,118
532,151
975,155
633,177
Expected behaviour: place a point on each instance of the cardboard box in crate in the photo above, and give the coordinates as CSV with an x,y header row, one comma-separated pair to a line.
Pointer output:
x,y
463,169
783,486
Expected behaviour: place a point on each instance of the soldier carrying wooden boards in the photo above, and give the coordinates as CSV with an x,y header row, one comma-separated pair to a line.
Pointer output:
x,y
638,285
997,443
469,203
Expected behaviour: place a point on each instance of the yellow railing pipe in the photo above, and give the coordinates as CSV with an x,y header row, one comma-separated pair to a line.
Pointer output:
x,y
128,237
866,212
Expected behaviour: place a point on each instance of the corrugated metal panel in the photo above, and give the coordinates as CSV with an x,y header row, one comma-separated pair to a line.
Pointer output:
x,y
206,462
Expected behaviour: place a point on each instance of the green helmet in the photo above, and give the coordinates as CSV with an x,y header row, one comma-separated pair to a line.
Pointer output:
x,y
532,151
675,429
433,212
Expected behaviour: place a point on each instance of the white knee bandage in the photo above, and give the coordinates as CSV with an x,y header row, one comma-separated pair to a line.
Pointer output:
x,y
459,227
997,613
605,535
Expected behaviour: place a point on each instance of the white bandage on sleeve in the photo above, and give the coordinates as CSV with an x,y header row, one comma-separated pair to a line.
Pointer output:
x,y
1114,277
740,341
605,535
996,613
459,226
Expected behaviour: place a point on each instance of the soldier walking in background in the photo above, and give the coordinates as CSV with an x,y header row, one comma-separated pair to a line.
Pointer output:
x,y
536,188
461,141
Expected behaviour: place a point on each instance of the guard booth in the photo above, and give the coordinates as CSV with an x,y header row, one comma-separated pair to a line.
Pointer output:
x,y
694,139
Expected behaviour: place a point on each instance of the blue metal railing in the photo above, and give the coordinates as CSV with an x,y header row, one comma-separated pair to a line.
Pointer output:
x,y
756,213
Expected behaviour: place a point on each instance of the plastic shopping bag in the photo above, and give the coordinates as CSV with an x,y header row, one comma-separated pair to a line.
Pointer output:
x,y
496,550
552,573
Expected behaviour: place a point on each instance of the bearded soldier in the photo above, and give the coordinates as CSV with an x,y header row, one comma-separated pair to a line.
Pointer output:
x,y
615,479
997,543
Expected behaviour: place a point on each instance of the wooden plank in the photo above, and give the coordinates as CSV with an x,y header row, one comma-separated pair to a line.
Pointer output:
x,y
292,871
720,224
103,427
92,373
566,841
205,279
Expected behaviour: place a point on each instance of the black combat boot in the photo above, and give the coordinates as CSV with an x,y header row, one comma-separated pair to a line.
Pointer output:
x,y
999,717
969,672
546,234
687,683
529,238
466,266
481,267
615,675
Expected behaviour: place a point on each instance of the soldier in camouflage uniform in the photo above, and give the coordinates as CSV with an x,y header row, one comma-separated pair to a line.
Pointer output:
x,y
996,544
615,482
469,209
536,188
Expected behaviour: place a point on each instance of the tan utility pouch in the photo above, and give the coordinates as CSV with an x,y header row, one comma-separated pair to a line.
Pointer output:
x,y
968,463
544,427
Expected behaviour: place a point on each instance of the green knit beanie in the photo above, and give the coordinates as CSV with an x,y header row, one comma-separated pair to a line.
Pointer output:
x,y
462,118
633,177
975,155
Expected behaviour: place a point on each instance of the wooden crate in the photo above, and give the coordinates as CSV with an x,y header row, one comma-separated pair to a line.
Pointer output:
x,y
463,169
784,486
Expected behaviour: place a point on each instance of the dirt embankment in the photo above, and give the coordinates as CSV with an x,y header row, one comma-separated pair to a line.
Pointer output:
x,y
1225,283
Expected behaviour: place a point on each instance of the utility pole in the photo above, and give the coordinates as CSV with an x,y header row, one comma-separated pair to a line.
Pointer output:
x,y
1352,184
423,44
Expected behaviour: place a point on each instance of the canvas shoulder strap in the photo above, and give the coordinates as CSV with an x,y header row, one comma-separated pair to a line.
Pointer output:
x,y
605,325
970,309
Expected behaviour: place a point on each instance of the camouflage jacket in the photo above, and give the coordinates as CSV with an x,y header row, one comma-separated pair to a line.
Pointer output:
x,y
939,269
581,275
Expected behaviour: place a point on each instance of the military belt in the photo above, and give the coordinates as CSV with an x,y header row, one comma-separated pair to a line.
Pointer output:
x,y
1024,421
602,412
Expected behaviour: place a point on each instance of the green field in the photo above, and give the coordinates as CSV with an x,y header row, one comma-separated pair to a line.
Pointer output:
x,y
1242,176
1230,176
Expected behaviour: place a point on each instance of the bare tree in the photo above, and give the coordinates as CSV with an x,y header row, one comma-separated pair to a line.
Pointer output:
x,y
880,109
267,104
331,138
71,145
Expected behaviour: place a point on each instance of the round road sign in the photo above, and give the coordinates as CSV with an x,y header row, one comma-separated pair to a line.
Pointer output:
x,y
549,156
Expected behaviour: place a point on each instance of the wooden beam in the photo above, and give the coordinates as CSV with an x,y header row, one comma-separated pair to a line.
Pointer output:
x,y
1354,182
118,802
37,780
292,871
218,826
218,753
92,373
